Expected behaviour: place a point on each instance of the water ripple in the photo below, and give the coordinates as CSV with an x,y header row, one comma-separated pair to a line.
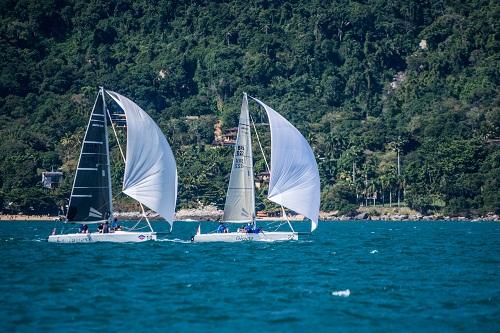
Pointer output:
x,y
377,276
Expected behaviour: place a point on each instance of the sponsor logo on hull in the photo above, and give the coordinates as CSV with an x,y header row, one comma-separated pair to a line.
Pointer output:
x,y
87,239
244,238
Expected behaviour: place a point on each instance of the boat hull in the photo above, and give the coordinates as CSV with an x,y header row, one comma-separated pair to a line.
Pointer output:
x,y
234,237
115,237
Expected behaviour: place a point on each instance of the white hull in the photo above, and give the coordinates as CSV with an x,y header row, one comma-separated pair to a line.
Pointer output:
x,y
116,237
233,237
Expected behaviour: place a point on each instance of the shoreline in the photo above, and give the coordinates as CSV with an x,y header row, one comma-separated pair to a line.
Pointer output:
x,y
210,214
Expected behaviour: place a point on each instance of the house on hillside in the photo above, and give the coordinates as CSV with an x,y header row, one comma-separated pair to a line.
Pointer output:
x,y
261,179
229,137
51,179
226,138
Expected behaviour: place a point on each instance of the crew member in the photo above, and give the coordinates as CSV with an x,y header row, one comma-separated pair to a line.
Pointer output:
x,y
222,228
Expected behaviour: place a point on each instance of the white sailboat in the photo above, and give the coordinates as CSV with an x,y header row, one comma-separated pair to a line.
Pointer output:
x,y
150,175
294,180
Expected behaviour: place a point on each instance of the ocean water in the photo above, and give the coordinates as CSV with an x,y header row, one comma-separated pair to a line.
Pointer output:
x,y
345,277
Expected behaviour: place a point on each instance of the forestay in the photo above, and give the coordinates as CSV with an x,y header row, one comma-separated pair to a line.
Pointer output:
x,y
294,179
240,198
150,169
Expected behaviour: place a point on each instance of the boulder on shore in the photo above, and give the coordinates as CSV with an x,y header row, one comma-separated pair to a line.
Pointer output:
x,y
361,216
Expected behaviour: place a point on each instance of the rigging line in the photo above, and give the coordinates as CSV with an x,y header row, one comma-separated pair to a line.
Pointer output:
x,y
135,225
286,216
135,229
145,216
116,135
119,145
258,140
279,226
117,194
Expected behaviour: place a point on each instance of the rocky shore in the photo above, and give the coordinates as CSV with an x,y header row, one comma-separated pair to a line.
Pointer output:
x,y
399,214
22,217
329,216
210,213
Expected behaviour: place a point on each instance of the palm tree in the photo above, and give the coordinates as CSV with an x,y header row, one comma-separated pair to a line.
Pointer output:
x,y
397,146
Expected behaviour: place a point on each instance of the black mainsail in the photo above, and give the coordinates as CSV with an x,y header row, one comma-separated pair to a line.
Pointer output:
x,y
90,200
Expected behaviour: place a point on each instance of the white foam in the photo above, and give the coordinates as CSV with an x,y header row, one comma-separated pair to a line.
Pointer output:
x,y
341,293
176,240
374,251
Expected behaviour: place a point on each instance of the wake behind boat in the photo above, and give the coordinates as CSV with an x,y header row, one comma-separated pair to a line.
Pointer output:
x,y
294,181
150,176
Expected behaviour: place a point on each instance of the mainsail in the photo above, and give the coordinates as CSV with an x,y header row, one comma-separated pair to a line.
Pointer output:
x,y
240,198
294,179
90,200
150,169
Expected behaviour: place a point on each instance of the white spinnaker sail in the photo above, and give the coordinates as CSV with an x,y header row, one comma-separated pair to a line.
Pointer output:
x,y
150,169
240,198
294,179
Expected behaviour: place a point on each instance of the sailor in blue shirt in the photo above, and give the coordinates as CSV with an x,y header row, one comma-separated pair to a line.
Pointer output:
x,y
114,225
222,228
248,228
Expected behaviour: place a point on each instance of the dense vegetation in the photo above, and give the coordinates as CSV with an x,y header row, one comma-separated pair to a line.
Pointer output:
x,y
365,81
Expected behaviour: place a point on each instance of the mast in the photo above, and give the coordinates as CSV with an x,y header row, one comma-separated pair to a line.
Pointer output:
x,y
106,140
250,163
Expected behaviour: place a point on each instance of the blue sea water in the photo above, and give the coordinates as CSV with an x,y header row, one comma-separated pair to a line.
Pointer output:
x,y
345,277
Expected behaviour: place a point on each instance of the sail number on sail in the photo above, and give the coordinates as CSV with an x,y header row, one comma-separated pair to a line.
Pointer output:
x,y
238,162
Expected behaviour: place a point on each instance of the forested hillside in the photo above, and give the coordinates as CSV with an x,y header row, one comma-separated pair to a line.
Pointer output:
x,y
366,82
